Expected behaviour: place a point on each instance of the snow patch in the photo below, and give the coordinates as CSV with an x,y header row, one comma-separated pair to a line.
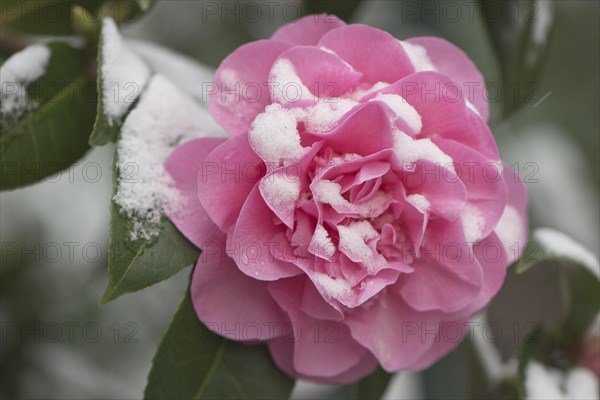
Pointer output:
x,y
410,150
419,201
23,68
274,135
284,76
321,243
418,57
353,242
336,288
509,228
281,190
403,109
473,223
164,118
472,107
548,383
124,74
324,116
558,244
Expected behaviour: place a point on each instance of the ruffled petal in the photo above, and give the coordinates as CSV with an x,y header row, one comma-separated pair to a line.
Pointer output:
x,y
184,165
375,53
453,62
307,31
240,90
228,175
232,304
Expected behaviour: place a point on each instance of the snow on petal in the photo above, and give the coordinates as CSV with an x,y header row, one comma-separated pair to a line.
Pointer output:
x,y
418,56
403,109
410,150
274,136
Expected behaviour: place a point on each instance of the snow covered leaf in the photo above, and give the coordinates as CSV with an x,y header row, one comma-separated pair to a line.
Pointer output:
x,y
194,363
579,271
135,264
145,248
122,77
48,106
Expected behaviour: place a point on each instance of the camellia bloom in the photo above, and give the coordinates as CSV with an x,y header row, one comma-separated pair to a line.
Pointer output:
x,y
359,213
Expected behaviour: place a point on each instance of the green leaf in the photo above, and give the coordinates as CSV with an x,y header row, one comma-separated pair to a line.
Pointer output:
x,y
516,30
106,130
577,269
136,264
193,363
43,17
371,387
51,135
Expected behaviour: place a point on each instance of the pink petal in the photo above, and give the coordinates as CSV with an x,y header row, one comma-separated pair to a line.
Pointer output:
x,y
449,337
483,179
307,30
436,287
365,130
228,175
324,74
443,112
232,304
513,227
240,90
399,338
184,164
453,62
254,242
443,190
375,53
321,348
282,351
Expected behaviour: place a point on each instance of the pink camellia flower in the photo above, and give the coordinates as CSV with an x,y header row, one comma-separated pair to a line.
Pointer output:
x,y
359,213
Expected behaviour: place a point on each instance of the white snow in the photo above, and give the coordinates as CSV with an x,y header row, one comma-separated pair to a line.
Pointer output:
x,y
287,85
281,190
472,107
321,244
418,56
328,192
326,114
23,68
558,244
473,223
419,201
510,228
336,288
163,118
353,240
545,18
409,150
124,74
275,137
552,384
403,109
